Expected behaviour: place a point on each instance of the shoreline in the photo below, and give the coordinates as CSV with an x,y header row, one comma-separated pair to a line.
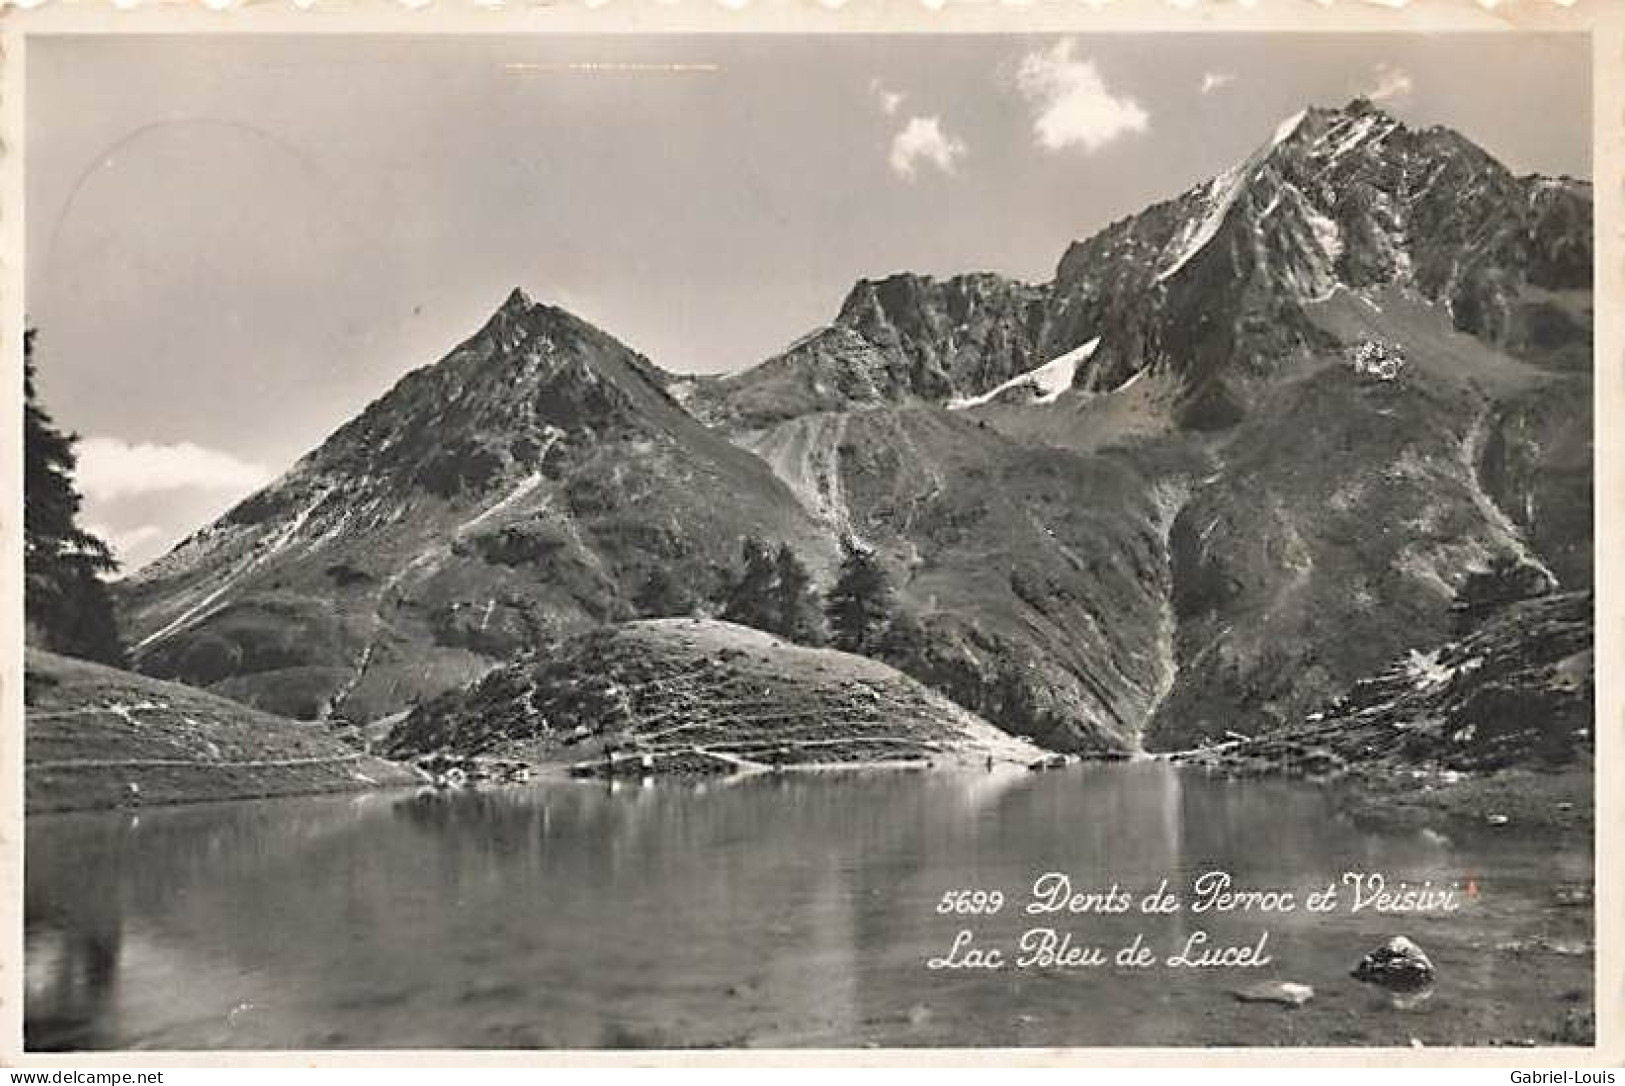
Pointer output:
x,y
1556,802
68,789
1556,805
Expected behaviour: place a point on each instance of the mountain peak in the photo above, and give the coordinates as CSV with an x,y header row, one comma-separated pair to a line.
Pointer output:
x,y
506,324
1358,106
517,302
868,295
909,296
1358,114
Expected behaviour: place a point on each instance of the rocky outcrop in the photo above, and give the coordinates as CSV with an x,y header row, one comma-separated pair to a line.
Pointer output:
x,y
698,696
1536,463
1516,692
1399,965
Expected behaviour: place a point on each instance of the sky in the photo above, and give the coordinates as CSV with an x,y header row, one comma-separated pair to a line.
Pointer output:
x,y
234,243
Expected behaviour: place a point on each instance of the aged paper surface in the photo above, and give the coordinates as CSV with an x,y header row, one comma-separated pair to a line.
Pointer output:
x,y
1240,550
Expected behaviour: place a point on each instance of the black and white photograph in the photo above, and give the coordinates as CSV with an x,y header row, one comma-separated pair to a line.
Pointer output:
x,y
806,541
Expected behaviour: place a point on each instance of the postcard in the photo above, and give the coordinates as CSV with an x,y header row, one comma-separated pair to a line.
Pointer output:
x,y
898,532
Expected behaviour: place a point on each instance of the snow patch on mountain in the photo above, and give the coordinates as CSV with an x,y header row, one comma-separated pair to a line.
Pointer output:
x,y
1222,193
518,494
1353,133
1196,233
1133,380
1286,128
211,600
1327,234
1048,381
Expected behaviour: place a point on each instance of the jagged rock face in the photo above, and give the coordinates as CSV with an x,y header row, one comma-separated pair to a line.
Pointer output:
x,y
524,486
1211,285
902,339
1559,232
1215,283
958,336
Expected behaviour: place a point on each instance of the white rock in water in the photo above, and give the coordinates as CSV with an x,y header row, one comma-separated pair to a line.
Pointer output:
x,y
1284,992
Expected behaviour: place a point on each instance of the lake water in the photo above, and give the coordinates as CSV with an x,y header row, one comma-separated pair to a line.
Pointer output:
x,y
786,911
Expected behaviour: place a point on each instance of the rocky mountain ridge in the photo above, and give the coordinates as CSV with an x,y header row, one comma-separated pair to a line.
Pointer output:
x,y
1159,498
1211,284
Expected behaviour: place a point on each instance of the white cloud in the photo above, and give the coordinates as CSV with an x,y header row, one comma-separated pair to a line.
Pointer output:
x,y
1073,105
1212,81
890,101
110,468
923,140
1391,82
133,547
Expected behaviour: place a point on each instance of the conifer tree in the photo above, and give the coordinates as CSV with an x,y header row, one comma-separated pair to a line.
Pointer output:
x,y
799,618
859,604
904,641
663,596
750,599
67,605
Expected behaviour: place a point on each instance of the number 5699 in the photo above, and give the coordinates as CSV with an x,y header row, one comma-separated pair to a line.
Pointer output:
x,y
971,902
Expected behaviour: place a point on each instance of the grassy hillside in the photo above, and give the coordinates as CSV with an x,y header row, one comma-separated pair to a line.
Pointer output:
x,y
693,695
93,732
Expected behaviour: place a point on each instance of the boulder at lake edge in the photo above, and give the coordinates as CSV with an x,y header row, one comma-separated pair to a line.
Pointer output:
x,y
1398,964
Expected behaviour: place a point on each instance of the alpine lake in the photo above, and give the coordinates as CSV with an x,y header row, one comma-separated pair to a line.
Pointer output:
x,y
1106,904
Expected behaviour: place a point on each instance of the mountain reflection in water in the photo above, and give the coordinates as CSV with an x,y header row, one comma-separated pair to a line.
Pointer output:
x,y
773,911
